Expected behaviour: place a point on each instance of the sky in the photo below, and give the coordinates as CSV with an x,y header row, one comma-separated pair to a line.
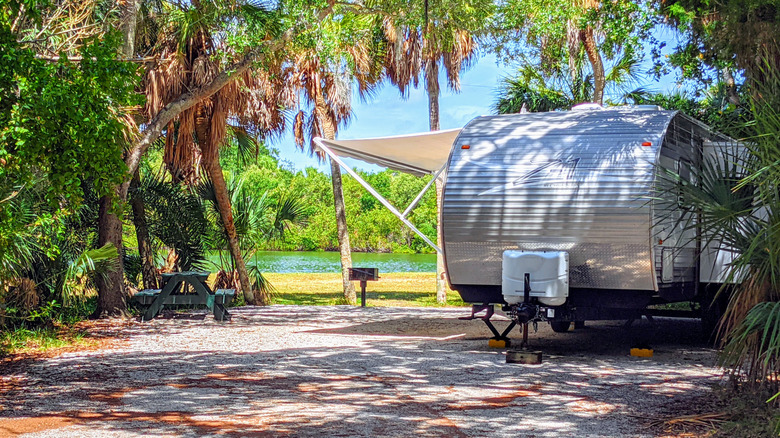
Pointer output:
x,y
388,113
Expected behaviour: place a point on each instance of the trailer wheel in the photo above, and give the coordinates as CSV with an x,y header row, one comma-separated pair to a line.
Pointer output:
x,y
560,326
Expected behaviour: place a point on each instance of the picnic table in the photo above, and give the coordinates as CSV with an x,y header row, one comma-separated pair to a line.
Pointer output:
x,y
174,293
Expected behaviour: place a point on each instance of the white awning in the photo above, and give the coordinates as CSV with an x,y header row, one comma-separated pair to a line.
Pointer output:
x,y
418,154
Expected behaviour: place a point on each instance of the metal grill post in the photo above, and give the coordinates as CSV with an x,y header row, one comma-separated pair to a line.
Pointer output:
x,y
363,275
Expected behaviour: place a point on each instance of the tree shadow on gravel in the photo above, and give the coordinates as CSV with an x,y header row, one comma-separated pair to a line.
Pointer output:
x,y
380,386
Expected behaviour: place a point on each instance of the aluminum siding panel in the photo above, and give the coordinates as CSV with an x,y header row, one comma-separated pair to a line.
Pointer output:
x,y
578,181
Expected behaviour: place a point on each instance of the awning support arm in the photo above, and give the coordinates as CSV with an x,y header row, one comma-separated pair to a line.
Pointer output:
x,y
422,192
376,194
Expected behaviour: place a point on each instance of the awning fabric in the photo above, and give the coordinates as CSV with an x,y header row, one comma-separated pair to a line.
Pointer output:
x,y
418,154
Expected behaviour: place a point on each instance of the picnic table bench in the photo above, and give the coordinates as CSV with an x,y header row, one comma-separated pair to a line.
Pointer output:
x,y
172,294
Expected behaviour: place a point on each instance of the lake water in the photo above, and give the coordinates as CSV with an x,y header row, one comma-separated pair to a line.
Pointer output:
x,y
311,261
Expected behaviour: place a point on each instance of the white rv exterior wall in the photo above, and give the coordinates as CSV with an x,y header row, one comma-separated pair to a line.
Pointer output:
x,y
577,181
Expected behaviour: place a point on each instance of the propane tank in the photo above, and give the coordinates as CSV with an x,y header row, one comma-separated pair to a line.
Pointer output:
x,y
549,276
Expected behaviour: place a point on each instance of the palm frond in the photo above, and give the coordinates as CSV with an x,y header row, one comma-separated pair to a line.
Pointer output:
x,y
625,70
18,242
528,90
264,290
758,333
247,145
177,217
290,210
97,261
737,200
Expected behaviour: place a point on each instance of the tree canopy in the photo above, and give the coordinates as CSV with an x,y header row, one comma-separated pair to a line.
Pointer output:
x,y
740,35
66,120
555,37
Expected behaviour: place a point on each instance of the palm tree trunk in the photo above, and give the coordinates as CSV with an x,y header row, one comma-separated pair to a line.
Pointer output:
x,y
148,271
329,133
599,77
432,87
432,80
343,233
128,20
226,213
441,275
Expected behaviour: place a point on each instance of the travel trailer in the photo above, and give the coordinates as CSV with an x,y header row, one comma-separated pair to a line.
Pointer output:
x,y
564,216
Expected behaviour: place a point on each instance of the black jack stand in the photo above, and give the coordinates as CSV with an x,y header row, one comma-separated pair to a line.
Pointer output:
x,y
499,340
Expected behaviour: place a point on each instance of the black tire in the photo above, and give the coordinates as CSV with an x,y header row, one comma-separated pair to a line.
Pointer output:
x,y
560,326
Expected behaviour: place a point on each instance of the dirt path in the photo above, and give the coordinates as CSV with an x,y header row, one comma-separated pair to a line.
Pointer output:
x,y
343,371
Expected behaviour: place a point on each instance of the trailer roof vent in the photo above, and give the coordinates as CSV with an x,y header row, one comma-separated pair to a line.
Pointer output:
x,y
588,106
645,107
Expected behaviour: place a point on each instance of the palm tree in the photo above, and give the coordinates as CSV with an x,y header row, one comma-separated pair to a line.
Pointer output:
x,y
256,219
188,52
263,36
325,85
187,219
416,49
585,36
532,90
560,34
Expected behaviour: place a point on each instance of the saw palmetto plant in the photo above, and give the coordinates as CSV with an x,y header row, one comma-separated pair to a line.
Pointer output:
x,y
736,197
177,220
257,219
752,325
47,256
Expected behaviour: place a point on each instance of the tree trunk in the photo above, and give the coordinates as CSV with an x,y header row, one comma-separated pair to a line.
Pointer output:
x,y
731,86
111,286
226,213
343,233
432,86
441,275
129,20
599,77
345,250
148,271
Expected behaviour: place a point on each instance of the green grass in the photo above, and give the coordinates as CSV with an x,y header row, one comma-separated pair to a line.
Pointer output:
x,y
407,289
23,340
683,306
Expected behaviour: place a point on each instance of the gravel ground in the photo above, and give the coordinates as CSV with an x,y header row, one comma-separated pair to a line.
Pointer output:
x,y
346,371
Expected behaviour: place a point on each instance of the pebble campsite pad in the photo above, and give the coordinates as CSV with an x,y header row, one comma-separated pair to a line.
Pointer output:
x,y
346,371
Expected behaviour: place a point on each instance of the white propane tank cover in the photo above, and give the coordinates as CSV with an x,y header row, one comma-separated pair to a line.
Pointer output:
x,y
549,276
